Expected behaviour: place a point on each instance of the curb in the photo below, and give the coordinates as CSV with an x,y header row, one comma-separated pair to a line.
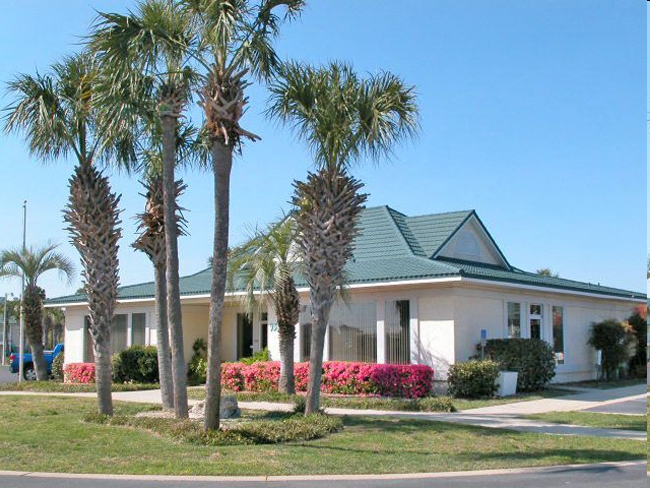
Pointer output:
x,y
352,477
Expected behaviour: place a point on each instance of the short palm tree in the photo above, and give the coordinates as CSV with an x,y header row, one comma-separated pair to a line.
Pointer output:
x,y
235,40
147,54
58,115
31,263
265,264
151,241
342,117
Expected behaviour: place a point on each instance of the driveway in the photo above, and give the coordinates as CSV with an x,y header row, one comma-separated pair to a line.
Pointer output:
x,y
621,475
6,376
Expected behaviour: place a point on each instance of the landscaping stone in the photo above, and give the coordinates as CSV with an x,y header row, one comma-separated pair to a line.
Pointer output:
x,y
228,409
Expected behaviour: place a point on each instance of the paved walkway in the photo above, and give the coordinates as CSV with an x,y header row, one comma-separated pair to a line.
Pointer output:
x,y
585,399
507,416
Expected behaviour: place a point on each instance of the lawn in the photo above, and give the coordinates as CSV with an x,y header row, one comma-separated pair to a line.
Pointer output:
x,y
606,385
589,419
46,434
430,404
58,387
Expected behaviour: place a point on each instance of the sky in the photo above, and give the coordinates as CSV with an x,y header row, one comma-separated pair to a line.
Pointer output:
x,y
532,113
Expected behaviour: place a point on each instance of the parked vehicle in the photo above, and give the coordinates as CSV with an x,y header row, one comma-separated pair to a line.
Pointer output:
x,y
29,372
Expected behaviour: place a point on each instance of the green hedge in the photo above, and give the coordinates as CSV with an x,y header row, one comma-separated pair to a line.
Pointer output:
x,y
473,379
533,359
57,366
136,364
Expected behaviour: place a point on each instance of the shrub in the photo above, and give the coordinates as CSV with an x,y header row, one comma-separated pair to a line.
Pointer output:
x,y
79,373
272,431
617,342
57,366
136,364
639,322
533,359
262,355
398,380
197,368
473,379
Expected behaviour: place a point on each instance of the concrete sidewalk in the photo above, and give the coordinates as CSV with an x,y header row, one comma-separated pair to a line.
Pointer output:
x,y
569,403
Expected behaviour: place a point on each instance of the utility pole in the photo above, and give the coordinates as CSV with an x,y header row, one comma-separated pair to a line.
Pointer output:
x,y
21,352
5,331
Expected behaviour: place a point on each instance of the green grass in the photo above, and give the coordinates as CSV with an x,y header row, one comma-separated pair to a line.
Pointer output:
x,y
58,387
600,420
430,404
46,434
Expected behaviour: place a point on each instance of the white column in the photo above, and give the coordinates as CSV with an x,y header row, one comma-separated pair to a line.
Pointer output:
x,y
326,349
381,331
129,330
416,354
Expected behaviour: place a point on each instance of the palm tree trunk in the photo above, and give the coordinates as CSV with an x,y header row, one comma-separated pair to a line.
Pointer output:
x,y
179,368
287,381
162,335
33,312
320,317
93,216
103,378
221,165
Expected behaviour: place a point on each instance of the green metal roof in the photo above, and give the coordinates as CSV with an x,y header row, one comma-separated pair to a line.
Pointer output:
x,y
394,247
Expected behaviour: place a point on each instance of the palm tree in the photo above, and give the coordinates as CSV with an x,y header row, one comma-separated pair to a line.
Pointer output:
x,y
235,39
342,118
31,263
53,325
267,263
151,241
147,55
58,116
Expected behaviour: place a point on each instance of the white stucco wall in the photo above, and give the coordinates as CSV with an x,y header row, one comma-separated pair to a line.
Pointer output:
x,y
485,308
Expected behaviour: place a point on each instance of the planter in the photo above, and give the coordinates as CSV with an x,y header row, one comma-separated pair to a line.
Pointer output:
x,y
507,382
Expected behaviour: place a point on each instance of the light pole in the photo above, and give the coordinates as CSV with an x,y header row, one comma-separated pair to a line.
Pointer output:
x,y
21,341
5,330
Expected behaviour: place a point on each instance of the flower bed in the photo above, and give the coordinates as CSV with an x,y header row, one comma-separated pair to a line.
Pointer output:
x,y
346,378
79,373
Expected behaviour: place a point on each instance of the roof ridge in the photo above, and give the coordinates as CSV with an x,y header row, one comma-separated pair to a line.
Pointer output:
x,y
438,214
396,227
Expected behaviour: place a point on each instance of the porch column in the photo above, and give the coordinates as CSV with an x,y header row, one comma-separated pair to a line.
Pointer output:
x,y
414,325
381,331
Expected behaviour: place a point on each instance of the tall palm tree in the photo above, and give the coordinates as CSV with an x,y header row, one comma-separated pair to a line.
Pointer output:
x,y
53,325
31,263
235,40
266,263
58,115
147,54
343,118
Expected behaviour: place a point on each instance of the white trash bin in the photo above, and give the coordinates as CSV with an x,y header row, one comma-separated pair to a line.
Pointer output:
x,y
507,381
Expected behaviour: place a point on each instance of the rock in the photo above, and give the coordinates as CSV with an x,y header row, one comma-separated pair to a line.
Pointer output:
x,y
228,409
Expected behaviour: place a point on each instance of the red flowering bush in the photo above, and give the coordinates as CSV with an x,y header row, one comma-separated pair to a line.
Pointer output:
x,y
79,373
346,378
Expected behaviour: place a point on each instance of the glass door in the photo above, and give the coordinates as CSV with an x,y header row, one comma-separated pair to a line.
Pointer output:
x,y
244,336
535,321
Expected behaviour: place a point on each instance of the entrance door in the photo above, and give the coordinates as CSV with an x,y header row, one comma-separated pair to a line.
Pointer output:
x,y
244,336
535,321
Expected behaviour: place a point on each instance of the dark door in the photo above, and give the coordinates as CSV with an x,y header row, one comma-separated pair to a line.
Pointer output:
x,y
244,336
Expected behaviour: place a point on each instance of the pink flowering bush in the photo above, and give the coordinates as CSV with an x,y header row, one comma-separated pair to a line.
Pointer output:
x,y
232,377
79,373
345,378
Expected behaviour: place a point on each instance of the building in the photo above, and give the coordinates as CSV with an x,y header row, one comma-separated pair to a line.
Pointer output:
x,y
421,290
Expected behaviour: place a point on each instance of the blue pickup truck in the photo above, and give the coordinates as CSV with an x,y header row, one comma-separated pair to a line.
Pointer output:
x,y
29,372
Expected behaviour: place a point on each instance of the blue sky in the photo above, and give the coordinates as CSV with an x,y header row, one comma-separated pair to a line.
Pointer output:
x,y
533,113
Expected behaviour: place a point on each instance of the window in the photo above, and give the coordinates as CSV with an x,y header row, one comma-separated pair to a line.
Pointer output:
x,y
353,332
514,320
264,326
535,321
305,331
558,334
244,336
138,331
118,333
397,332
89,351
